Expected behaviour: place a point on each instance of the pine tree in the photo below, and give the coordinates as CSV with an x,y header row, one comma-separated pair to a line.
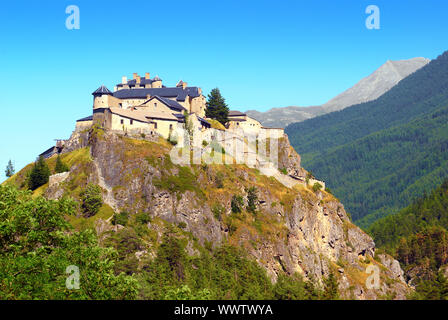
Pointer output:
x,y
60,166
9,172
39,174
252,199
217,107
331,288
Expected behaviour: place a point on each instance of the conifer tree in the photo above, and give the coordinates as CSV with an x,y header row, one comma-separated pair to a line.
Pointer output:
x,y
217,107
60,166
331,288
9,172
39,174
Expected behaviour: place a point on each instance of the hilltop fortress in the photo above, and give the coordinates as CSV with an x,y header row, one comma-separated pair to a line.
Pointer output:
x,y
145,105
145,108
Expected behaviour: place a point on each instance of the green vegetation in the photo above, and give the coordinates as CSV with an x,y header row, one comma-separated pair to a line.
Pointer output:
x,y
317,186
222,273
418,237
183,181
252,199
9,171
379,156
426,212
92,200
60,166
120,218
215,124
236,203
36,249
216,107
39,174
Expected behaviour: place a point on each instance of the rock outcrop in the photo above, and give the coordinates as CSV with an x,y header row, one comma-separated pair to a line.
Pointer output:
x,y
295,230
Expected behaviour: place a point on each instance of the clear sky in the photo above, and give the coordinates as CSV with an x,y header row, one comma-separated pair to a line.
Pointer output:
x,y
261,54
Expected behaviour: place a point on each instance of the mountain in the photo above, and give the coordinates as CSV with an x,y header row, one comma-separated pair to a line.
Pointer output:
x,y
380,155
367,89
281,117
418,236
209,230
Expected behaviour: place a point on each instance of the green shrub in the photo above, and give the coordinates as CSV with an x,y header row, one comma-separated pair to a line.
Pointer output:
x,y
218,211
91,200
252,199
39,175
219,180
60,166
317,186
236,203
182,225
284,171
120,218
142,218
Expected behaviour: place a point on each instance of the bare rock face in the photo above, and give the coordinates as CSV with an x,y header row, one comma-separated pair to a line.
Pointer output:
x,y
289,159
295,230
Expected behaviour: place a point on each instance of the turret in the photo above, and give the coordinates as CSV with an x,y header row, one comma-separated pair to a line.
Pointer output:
x,y
101,97
157,82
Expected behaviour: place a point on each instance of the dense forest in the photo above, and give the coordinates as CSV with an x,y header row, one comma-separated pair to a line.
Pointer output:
x,y
418,237
377,157
37,244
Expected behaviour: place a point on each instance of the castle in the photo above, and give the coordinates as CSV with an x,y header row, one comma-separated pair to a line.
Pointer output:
x,y
145,105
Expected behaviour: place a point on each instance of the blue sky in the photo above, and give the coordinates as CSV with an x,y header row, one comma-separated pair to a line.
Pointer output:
x,y
261,54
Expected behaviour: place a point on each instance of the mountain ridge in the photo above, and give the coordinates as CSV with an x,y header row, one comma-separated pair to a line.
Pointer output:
x,y
367,89
363,149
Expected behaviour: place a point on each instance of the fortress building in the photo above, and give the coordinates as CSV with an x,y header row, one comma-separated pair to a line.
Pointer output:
x,y
146,105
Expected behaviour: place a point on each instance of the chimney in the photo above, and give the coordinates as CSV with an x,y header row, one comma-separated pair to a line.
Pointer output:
x,y
137,80
124,80
184,85
134,75
147,75
148,96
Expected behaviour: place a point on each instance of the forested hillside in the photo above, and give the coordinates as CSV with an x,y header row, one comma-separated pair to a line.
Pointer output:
x,y
379,156
418,237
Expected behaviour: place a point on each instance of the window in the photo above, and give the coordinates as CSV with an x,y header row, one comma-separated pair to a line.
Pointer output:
x,y
120,105
131,121
171,127
155,104
122,121
155,125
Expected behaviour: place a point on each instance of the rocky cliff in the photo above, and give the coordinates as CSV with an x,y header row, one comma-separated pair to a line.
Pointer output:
x,y
293,230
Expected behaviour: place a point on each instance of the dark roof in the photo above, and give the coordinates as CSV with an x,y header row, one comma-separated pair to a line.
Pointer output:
x,y
143,81
234,113
180,117
237,119
178,93
48,153
101,90
171,103
89,118
133,82
204,121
